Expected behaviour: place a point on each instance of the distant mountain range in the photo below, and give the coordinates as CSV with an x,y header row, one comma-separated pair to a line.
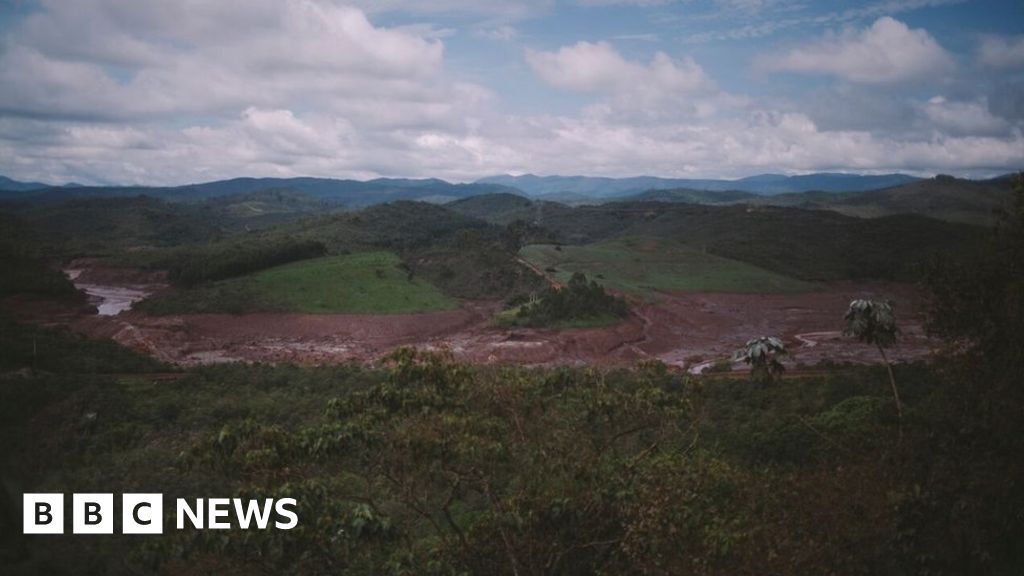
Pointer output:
x,y
942,197
351,193
554,187
16,186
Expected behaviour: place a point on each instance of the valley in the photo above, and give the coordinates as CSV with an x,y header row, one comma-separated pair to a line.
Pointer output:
x,y
686,329
217,281
422,375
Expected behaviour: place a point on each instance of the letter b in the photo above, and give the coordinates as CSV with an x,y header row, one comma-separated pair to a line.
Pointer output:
x,y
93,514
43,513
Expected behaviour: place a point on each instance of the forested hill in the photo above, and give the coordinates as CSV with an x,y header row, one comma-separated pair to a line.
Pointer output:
x,y
351,193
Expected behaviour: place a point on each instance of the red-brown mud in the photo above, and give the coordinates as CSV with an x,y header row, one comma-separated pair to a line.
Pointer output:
x,y
686,330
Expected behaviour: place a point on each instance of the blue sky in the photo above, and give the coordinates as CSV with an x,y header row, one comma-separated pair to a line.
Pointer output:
x,y
156,92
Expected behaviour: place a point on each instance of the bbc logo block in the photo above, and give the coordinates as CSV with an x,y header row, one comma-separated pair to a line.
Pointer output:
x,y
43,514
142,514
93,514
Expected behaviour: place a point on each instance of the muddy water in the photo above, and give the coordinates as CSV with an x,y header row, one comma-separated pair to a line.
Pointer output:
x,y
109,300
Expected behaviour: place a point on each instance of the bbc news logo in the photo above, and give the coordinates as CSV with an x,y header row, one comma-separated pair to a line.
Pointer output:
x,y
143,514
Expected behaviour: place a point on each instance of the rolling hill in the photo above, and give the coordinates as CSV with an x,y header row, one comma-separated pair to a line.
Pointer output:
x,y
810,244
942,198
7,184
351,193
500,208
764,184
645,266
796,241
690,196
364,283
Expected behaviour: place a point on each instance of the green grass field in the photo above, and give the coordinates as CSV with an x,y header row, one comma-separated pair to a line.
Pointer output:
x,y
362,283
643,266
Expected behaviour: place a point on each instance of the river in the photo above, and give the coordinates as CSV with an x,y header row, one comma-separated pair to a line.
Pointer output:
x,y
109,300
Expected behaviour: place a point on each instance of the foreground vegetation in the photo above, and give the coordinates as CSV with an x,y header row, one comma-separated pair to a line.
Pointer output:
x,y
425,465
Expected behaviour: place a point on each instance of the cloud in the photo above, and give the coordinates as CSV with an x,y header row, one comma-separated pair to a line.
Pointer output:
x,y
312,55
503,32
767,17
642,3
1007,101
145,91
1002,52
664,89
886,52
963,118
325,55
733,145
848,107
646,37
485,9
598,67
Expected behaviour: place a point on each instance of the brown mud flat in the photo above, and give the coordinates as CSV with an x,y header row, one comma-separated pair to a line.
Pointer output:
x,y
685,330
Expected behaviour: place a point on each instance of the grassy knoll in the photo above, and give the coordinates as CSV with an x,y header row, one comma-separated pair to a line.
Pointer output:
x,y
362,283
645,265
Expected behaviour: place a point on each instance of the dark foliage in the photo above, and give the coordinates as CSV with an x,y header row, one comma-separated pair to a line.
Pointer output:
x,y
24,268
980,301
203,264
58,350
579,300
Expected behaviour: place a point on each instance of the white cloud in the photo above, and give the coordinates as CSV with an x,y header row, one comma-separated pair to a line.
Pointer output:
x,y
141,91
598,67
148,91
963,118
665,89
886,52
488,9
502,32
642,3
193,63
1001,52
747,144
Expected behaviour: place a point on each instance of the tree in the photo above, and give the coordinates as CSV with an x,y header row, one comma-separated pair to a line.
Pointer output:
x,y
874,322
979,303
763,355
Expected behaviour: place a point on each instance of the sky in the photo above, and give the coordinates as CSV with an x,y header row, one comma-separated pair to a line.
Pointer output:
x,y
160,92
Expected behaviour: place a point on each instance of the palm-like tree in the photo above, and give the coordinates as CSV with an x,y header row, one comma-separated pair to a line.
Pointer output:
x,y
763,355
874,322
